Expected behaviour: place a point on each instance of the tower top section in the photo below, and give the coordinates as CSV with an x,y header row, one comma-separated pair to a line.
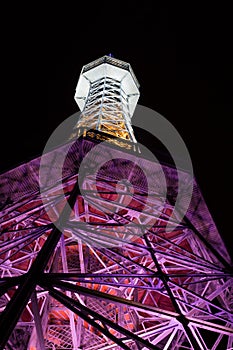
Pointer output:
x,y
108,67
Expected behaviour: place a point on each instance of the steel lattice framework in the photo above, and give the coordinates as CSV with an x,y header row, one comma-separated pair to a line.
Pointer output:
x,y
95,263
107,93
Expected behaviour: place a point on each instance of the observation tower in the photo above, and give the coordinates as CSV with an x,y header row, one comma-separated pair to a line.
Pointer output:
x,y
93,253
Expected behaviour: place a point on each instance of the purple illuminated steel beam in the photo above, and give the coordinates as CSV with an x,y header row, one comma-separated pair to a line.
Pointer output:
x,y
181,318
17,304
83,312
228,267
115,299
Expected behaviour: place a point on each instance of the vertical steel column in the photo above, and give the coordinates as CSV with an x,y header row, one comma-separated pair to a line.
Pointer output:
x,y
37,319
71,315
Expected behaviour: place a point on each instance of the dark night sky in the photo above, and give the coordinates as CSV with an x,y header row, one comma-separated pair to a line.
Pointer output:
x,y
180,55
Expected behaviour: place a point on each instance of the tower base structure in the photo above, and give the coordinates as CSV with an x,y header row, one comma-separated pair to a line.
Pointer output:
x,y
103,261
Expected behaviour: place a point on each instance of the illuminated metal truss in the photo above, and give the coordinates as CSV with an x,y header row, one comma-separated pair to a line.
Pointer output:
x,y
107,93
102,259
109,279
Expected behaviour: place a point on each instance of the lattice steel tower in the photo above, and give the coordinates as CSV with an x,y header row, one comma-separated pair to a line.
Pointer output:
x,y
88,260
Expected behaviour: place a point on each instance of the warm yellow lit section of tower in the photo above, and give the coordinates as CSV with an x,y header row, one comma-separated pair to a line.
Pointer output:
x,y
107,93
